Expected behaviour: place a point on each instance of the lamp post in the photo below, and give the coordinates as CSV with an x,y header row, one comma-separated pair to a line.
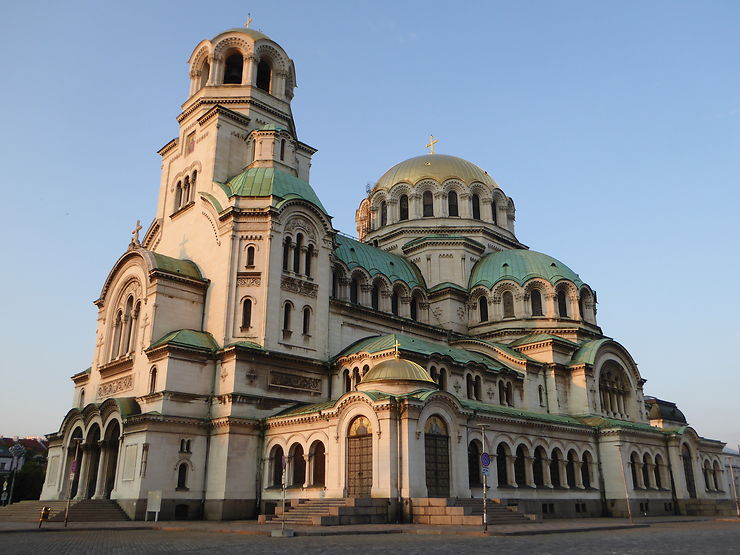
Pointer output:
x,y
17,451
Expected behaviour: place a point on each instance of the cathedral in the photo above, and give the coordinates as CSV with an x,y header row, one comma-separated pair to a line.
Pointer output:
x,y
246,349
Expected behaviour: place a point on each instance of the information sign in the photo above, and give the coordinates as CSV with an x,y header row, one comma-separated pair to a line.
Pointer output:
x,y
486,471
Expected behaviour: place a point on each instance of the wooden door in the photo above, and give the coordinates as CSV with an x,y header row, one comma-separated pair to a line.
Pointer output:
x,y
360,466
437,459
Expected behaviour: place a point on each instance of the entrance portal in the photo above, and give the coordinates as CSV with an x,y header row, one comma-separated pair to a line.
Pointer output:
x,y
437,457
360,458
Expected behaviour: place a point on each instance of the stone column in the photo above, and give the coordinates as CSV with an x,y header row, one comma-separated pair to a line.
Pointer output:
x,y
84,468
577,467
211,71
308,466
563,474
463,207
510,474
651,476
246,70
546,477
528,473
638,472
99,492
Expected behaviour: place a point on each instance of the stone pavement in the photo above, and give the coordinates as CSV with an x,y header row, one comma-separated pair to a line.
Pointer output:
x,y
554,526
676,538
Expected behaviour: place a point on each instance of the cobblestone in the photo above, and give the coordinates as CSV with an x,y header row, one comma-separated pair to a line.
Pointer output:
x,y
674,538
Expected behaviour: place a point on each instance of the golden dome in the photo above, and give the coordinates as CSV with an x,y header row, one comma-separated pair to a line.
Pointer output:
x,y
439,167
398,369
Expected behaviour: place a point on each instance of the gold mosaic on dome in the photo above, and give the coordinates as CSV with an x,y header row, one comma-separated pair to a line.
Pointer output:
x,y
360,427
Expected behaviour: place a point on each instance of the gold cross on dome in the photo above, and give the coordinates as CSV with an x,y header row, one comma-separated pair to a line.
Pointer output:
x,y
432,142
249,20
396,345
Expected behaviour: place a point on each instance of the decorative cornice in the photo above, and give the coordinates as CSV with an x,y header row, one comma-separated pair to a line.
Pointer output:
x,y
235,100
218,110
118,366
168,147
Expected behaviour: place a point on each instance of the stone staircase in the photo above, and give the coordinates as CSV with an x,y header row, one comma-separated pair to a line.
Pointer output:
x,y
87,510
465,512
330,512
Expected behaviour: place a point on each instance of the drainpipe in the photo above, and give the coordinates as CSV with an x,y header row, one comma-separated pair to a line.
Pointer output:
x,y
209,427
602,485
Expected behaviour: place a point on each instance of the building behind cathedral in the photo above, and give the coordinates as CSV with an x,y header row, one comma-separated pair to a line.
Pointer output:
x,y
244,340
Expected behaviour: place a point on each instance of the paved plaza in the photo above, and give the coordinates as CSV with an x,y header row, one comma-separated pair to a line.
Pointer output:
x,y
674,537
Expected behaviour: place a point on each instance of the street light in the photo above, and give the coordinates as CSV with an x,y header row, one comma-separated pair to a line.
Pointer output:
x,y
77,441
17,450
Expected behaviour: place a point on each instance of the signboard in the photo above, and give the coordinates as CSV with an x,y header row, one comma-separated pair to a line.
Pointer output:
x,y
486,471
153,504
485,459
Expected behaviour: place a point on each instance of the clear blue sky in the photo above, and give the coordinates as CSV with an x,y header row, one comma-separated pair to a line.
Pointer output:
x,y
615,126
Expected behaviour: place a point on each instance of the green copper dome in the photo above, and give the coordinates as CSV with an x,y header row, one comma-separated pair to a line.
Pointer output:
x,y
398,369
519,265
439,167
266,182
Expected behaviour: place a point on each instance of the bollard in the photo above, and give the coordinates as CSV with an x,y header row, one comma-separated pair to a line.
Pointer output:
x,y
44,516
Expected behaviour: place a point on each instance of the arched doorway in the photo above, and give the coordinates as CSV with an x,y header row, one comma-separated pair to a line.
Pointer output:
x,y
112,434
318,471
688,470
359,458
437,457
93,442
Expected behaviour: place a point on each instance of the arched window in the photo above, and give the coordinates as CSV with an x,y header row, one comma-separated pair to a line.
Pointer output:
x,y
127,326
494,212
452,203
354,290
502,392
233,69
182,476
443,379
477,386
356,379
688,469
520,477
635,469
483,308
178,195
247,313
535,298
555,468
507,299
403,208
375,296
509,396
286,253
306,321
318,456
347,380
297,253
541,395
428,204
250,257
263,75
537,470
299,465
186,191
287,309
117,330
193,180
469,387
205,72
434,374
394,303
414,307
282,149
383,213
501,465
562,304
475,205
153,380
276,460
81,404
657,471
474,473
586,470
309,256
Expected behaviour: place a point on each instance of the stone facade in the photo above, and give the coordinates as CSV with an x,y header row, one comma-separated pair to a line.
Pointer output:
x,y
234,337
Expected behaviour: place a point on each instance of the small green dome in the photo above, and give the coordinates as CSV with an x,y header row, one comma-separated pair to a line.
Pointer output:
x,y
439,167
266,182
398,369
519,265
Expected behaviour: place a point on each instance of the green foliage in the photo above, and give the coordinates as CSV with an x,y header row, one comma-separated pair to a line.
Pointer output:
x,y
29,481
